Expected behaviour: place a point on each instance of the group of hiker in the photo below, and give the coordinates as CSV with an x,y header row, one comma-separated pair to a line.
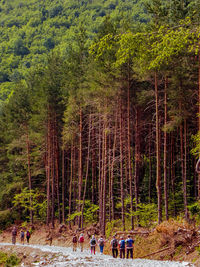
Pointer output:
x,y
23,234
125,246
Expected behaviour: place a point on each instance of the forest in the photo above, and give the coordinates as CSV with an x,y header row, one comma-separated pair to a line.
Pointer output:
x,y
99,112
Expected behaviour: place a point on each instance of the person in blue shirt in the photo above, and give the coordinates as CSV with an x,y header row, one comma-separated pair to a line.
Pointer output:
x,y
114,244
129,247
122,247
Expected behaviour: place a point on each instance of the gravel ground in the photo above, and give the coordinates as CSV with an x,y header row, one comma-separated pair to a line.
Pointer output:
x,y
54,256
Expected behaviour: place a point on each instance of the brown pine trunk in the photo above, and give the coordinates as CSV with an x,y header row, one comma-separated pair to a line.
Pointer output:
x,y
48,172
150,167
199,118
121,170
80,178
29,171
63,186
129,160
86,175
137,156
158,159
53,175
71,181
112,170
185,172
100,175
172,173
165,154
57,175
93,164
104,191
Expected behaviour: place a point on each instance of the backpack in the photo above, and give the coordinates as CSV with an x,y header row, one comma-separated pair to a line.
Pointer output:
x,y
114,243
14,232
28,234
122,244
93,242
22,234
101,242
129,243
81,240
74,240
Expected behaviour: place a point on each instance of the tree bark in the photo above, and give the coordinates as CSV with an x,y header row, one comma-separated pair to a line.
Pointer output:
x,y
80,178
29,172
165,153
86,175
121,169
158,160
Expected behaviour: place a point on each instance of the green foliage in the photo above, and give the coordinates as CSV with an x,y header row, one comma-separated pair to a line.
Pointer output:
x,y
110,227
31,200
9,261
13,260
89,213
194,210
198,249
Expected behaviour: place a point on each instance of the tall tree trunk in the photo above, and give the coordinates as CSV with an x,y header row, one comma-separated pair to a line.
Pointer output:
x,y
185,172
172,173
29,172
165,154
87,171
104,191
158,160
80,178
93,163
199,117
112,169
121,169
100,175
71,180
137,156
48,172
57,175
150,166
63,185
53,174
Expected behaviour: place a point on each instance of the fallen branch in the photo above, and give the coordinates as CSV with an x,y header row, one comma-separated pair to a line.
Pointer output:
x,y
131,233
156,252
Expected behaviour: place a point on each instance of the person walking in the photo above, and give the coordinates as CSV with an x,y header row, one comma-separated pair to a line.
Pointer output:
x,y
122,247
14,235
81,241
114,244
129,247
22,236
101,243
74,242
28,235
93,244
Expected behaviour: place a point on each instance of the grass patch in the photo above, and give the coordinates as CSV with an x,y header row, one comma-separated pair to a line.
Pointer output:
x,y
8,260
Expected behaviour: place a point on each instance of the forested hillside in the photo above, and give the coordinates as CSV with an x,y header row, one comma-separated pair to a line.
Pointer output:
x,y
31,29
99,111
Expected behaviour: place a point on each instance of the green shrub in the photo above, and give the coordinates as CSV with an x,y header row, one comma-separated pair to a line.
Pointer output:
x,y
13,260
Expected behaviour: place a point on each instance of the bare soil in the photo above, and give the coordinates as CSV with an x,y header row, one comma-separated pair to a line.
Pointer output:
x,y
181,239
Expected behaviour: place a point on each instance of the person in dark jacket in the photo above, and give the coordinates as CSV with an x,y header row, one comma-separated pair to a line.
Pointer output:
x,y
122,247
114,245
22,236
75,241
93,244
28,235
14,235
129,247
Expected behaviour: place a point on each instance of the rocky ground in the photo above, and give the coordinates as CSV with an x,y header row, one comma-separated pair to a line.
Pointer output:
x,y
172,242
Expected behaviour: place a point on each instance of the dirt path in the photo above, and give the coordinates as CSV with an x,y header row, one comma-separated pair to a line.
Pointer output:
x,y
53,256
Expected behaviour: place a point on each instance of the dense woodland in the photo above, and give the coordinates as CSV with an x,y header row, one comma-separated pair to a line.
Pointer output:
x,y
99,111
